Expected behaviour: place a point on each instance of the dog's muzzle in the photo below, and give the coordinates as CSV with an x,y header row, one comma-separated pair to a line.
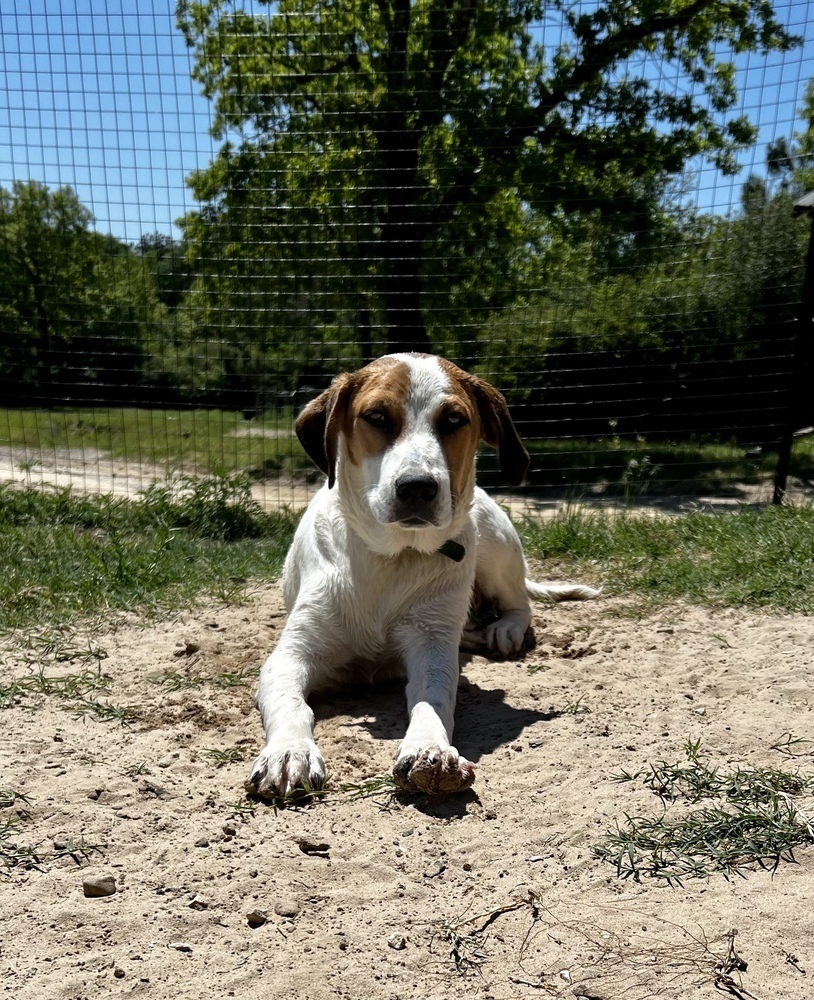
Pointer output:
x,y
415,497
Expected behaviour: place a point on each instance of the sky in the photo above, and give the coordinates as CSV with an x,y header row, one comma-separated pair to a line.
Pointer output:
x,y
97,94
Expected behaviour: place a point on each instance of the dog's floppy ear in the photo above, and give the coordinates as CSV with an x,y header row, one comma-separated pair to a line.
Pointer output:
x,y
319,424
498,431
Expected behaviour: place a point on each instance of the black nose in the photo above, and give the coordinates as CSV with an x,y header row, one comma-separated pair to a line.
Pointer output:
x,y
416,488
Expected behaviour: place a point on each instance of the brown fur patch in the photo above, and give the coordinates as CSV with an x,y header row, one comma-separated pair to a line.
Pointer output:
x,y
495,423
382,386
461,444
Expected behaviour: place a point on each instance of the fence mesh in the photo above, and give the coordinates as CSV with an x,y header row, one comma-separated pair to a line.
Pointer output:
x,y
207,213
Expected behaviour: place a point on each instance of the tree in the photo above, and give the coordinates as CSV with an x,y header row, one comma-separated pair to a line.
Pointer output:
x,y
397,153
168,261
77,309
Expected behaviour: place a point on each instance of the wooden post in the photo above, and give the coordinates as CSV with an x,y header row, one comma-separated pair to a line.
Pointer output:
x,y
802,355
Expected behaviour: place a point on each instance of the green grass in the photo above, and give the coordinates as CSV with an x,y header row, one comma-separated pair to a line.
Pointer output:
x,y
196,441
746,817
206,441
748,558
626,468
65,558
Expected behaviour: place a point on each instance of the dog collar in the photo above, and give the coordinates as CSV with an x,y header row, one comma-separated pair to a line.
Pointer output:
x,y
452,550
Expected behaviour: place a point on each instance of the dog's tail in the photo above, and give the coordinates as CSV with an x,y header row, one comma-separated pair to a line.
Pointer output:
x,y
560,591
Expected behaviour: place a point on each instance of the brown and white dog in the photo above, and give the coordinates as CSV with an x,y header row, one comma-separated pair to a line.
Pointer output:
x,y
388,558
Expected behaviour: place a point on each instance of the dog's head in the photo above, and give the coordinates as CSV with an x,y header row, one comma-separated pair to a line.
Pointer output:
x,y
407,428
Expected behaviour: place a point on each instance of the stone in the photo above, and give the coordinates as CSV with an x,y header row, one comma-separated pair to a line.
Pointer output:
x,y
256,918
288,907
98,885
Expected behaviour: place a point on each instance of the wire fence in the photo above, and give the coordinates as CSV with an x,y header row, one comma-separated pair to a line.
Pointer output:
x,y
207,213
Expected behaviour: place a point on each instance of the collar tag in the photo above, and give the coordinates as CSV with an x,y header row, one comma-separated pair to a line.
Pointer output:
x,y
452,550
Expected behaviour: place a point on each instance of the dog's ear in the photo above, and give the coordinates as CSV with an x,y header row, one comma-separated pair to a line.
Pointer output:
x,y
319,424
498,431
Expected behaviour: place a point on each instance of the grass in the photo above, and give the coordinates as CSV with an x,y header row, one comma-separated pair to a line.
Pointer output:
x,y
67,558
749,558
207,441
16,855
713,821
629,468
199,441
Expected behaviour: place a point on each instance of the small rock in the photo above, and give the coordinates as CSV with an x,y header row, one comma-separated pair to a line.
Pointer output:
x,y
98,885
437,869
187,648
287,907
95,794
256,918
202,842
397,942
168,759
180,946
119,972
229,830
199,903
312,846
61,844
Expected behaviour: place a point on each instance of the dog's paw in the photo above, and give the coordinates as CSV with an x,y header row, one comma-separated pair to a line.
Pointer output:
x,y
283,768
434,771
505,636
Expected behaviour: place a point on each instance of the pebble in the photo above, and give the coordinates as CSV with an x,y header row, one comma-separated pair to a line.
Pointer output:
x,y
256,918
229,830
308,846
168,759
180,946
397,942
119,972
98,885
199,903
287,907
202,842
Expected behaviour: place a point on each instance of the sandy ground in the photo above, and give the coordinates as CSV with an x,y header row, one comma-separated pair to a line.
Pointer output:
x,y
372,913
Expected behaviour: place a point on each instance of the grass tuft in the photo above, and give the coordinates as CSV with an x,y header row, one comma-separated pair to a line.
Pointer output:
x,y
749,558
749,817
67,558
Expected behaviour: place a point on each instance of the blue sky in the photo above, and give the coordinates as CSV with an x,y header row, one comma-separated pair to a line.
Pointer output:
x,y
97,94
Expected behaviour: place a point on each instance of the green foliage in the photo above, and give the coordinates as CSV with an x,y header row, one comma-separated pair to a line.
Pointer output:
x,y
76,308
400,161
721,292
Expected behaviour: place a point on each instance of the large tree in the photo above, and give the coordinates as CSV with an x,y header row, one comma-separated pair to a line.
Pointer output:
x,y
400,160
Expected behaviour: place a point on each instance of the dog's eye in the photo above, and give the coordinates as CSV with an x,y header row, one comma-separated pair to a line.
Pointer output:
x,y
451,422
377,419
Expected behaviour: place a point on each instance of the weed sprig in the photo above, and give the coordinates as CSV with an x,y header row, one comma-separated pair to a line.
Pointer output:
x,y
752,819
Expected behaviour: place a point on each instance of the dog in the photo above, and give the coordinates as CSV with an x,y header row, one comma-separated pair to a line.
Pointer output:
x,y
388,560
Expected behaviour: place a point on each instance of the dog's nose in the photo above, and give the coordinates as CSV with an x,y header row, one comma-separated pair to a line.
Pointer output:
x,y
412,489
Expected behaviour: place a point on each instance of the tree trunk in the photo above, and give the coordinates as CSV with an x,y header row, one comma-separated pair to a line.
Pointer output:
x,y
403,235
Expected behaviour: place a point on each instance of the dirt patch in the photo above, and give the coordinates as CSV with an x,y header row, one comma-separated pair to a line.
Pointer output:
x,y
492,894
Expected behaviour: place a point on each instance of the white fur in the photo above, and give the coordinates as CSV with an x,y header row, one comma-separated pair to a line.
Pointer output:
x,y
360,588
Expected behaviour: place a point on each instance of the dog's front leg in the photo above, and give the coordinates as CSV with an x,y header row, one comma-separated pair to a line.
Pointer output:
x,y
291,759
426,761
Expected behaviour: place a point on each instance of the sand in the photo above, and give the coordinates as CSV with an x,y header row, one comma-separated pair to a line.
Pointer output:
x,y
503,876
